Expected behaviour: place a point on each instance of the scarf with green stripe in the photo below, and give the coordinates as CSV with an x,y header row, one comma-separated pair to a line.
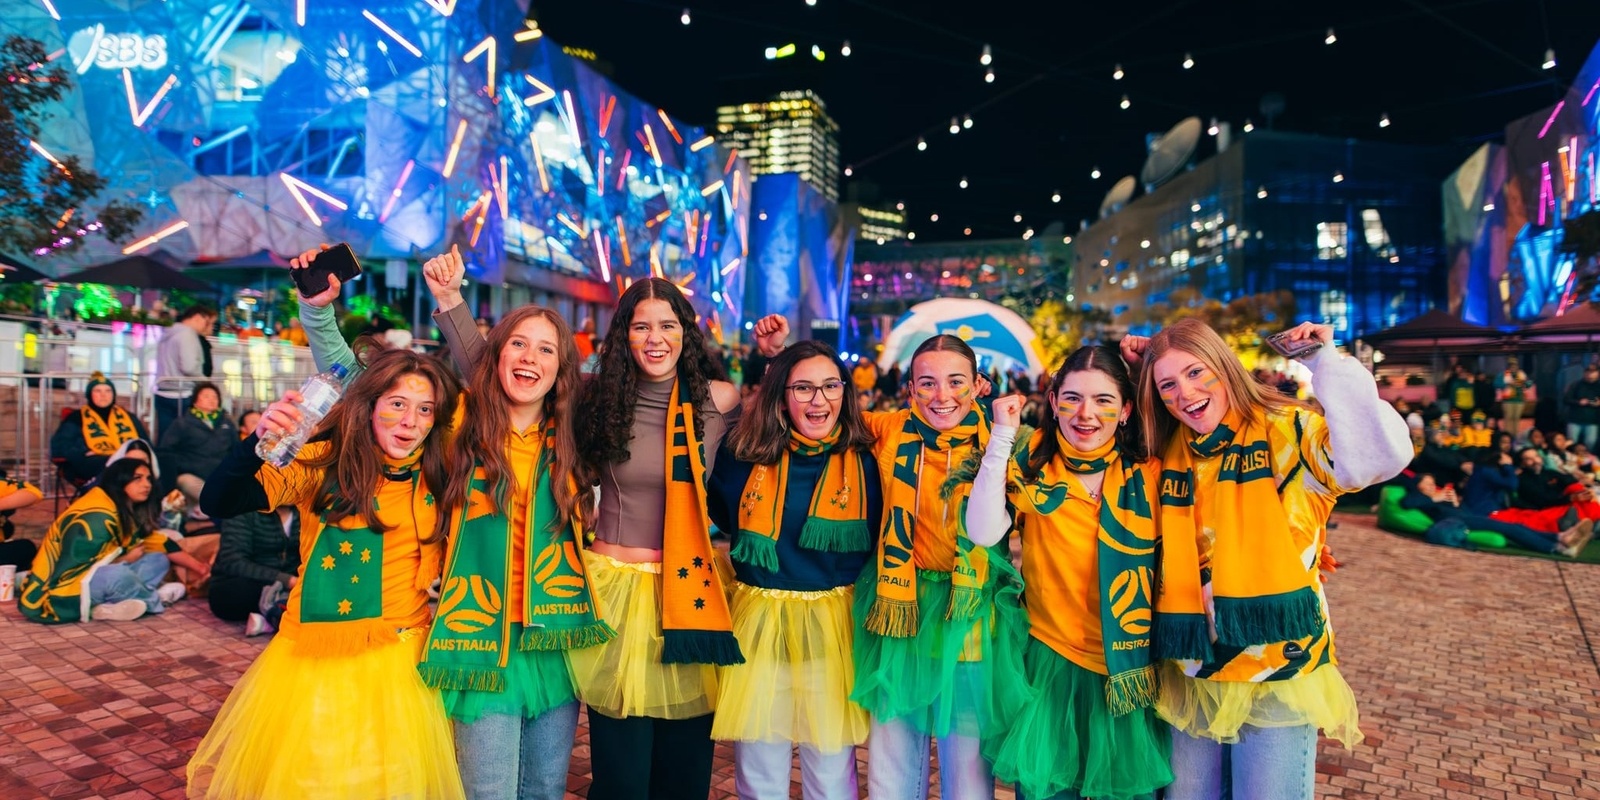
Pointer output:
x,y
696,626
208,417
1125,555
836,520
470,640
894,612
1261,592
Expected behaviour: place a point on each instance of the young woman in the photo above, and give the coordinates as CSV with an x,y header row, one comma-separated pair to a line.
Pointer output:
x,y
796,487
104,558
1083,494
1248,480
334,706
940,628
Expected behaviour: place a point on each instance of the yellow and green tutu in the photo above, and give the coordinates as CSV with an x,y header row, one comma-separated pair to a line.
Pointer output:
x,y
1067,741
625,677
1216,710
795,682
536,681
358,727
964,677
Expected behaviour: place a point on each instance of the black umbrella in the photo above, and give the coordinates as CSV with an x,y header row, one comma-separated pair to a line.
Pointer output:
x,y
256,269
14,271
155,271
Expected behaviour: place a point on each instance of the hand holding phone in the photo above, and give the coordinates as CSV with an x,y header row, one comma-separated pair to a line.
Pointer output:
x,y
1299,341
338,261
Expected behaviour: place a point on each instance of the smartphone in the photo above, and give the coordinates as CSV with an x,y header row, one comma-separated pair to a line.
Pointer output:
x,y
338,261
1280,342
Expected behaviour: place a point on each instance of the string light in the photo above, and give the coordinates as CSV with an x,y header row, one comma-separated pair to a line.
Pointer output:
x,y
967,231
685,17
963,183
1144,244
1338,177
1016,218
1261,193
845,51
1213,130
1066,240
1188,61
1383,122
1117,73
987,58
922,144
988,75
818,53
1195,206
899,206
1056,196
966,122
911,235
1249,126
1330,38
848,171
1126,102
1095,173
811,2
934,217
1550,58
955,125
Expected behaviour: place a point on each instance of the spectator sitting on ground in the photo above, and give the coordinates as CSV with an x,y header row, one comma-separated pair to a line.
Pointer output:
x,y
1492,480
1558,455
1537,487
103,558
195,443
258,560
1580,505
1441,504
15,494
1587,464
89,436
1436,458
247,422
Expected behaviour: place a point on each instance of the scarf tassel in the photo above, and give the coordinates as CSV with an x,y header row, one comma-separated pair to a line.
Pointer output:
x,y
462,679
1286,617
756,550
836,535
1130,691
965,602
1182,636
700,647
335,639
597,633
893,618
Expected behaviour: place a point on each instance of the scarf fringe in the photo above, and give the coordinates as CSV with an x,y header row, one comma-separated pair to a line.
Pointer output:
x,y
462,679
596,633
893,618
1182,636
836,536
336,639
965,602
700,647
1287,617
756,550
1130,691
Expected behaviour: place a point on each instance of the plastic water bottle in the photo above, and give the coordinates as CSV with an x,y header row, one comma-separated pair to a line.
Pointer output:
x,y
317,397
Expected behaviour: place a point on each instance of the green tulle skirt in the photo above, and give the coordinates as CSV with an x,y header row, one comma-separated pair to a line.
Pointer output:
x,y
963,677
536,681
1066,740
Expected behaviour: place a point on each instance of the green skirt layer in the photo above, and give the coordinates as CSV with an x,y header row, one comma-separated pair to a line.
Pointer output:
x,y
535,682
1066,740
964,677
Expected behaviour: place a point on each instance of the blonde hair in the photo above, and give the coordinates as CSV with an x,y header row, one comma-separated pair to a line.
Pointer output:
x,y
1245,394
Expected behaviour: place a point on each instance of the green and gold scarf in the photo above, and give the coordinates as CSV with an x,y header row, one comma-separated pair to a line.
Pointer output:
x,y
894,611
696,627
208,417
105,435
836,521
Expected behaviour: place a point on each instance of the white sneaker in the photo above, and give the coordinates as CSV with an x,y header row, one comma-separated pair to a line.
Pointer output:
x,y
120,611
171,592
257,625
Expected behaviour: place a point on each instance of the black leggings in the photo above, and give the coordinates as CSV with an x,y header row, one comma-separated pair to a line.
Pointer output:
x,y
233,599
644,758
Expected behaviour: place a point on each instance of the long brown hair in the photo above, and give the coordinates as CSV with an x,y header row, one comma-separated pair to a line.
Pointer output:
x,y
762,433
354,463
486,425
1245,394
1107,361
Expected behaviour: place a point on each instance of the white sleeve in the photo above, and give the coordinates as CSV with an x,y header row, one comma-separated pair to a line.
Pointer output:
x,y
1369,440
987,518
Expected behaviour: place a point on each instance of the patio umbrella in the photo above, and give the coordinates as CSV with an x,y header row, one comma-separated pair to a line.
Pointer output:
x,y
14,271
991,330
155,271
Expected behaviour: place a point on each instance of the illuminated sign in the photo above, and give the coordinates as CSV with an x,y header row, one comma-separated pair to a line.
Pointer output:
x,y
93,47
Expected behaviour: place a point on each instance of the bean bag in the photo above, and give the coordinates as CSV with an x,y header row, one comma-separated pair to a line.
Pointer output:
x,y
1409,521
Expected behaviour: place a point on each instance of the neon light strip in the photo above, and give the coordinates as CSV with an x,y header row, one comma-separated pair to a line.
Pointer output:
x,y
738,182
1590,95
155,237
672,129
48,6
455,149
38,148
411,48
482,205
133,101
572,121
575,228
600,174
605,257
299,12
485,46
705,235
1569,170
394,196
660,218
655,152
527,35
728,167
1552,119
296,186
140,115
444,9
711,188
729,267
622,173
1594,188
64,217
702,144
622,238
606,109
500,189
655,261
538,160
477,205
1546,192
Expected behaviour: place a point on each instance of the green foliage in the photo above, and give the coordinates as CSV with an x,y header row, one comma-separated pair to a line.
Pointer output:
x,y
96,301
1244,322
35,194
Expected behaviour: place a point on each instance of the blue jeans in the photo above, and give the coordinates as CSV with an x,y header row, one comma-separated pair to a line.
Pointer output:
x,y
1265,764
898,766
762,771
1519,535
503,757
1585,433
137,581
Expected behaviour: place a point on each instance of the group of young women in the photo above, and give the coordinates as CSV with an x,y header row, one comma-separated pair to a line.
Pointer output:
x,y
868,591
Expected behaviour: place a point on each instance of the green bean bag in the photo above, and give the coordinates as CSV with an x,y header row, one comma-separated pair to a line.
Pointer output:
x,y
1393,518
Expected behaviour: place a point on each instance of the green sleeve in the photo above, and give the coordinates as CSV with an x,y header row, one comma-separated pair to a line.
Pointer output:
x,y
328,346
85,535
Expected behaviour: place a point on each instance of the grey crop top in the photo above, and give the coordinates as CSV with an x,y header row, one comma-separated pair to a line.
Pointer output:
x,y
633,493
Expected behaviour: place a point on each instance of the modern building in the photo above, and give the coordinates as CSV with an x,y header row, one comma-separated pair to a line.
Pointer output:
x,y
1351,228
876,224
791,132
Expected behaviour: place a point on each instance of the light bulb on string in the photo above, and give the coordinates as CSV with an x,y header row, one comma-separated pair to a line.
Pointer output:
x,y
1249,126
963,183
684,18
955,125
988,75
811,2
922,144
1195,206
849,171
967,231
818,53
1125,103
966,122
1383,122
1549,58
1016,218
934,217
1213,130
899,206
987,58
1188,61
1261,193
1055,197
1338,177
1095,173
1330,38
845,51
1117,73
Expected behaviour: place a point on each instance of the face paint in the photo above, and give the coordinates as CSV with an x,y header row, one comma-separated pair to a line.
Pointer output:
x,y
1066,409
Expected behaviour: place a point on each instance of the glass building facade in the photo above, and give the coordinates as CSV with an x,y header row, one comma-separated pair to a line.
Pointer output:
x,y
791,132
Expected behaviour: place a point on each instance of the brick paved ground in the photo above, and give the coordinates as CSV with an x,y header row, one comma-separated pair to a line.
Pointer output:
x,y
1473,671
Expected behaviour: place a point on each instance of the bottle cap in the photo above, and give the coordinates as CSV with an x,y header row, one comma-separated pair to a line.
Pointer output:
x,y
338,371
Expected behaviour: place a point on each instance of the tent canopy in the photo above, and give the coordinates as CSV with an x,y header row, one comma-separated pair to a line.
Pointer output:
x,y
993,332
155,271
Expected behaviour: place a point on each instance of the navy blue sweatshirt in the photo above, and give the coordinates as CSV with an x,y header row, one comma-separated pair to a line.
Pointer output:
x,y
802,570
1486,490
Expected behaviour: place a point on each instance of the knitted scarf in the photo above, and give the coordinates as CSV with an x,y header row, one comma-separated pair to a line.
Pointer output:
x,y
105,431
470,640
696,627
208,417
1125,556
836,521
894,611
1261,591
341,596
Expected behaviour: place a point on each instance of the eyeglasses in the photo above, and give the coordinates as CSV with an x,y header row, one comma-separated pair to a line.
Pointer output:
x,y
804,392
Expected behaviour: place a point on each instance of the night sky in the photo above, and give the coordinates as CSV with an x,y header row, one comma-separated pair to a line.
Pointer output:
x,y
1443,70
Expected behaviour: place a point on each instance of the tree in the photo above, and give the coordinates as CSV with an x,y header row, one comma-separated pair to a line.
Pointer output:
x,y
1244,322
36,194
1062,329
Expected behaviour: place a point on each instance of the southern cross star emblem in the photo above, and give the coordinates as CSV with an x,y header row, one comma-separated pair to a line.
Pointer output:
x,y
344,606
345,548
683,572
366,555
699,562
699,603
327,562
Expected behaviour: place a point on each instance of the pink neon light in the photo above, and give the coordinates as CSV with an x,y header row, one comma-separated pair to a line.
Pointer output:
x,y
1594,188
1590,95
1546,191
1552,119
600,250
622,172
405,173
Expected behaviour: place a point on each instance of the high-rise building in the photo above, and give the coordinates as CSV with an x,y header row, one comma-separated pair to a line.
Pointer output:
x,y
875,224
791,132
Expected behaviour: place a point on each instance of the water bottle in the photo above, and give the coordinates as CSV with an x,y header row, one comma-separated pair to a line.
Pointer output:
x,y
317,397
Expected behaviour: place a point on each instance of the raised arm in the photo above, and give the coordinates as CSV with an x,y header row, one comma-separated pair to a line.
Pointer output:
x,y
987,516
444,273
1368,441
328,346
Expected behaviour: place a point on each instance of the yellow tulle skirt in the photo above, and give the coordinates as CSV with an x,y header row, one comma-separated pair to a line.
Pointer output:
x,y
795,682
625,677
357,727
1216,710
